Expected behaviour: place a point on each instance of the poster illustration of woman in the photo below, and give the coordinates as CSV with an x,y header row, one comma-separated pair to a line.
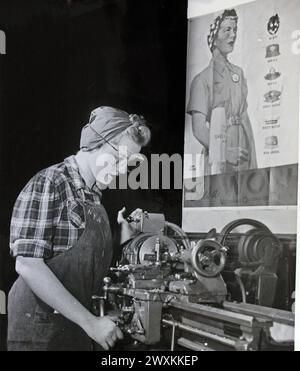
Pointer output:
x,y
218,104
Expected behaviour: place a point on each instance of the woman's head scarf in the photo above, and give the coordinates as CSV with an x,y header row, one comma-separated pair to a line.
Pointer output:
x,y
105,123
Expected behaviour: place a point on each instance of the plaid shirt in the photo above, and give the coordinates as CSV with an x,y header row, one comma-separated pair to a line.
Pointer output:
x,y
48,217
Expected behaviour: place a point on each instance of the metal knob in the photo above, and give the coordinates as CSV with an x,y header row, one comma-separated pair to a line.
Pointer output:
x,y
107,283
107,280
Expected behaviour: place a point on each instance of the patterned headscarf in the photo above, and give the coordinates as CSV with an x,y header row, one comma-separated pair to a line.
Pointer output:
x,y
215,26
104,124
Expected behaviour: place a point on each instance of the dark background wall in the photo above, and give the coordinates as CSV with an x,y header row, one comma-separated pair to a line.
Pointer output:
x,y
65,58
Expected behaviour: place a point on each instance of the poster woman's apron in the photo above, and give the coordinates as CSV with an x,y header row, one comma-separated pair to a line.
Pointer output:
x,y
230,128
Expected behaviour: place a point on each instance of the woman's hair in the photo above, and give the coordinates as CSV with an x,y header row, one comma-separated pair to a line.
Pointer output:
x,y
215,26
140,133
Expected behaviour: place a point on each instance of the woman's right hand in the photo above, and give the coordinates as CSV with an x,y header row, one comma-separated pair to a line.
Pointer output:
x,y
236,155
103,331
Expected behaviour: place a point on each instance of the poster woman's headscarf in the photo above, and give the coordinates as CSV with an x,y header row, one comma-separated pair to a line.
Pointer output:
x,y
215,26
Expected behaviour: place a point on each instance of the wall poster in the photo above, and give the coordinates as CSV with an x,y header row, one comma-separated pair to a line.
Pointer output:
x,y
242,109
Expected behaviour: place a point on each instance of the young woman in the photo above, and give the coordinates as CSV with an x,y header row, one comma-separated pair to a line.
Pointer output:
x,y
61,239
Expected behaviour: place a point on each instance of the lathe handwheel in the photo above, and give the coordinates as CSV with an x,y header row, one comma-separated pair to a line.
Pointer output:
x,y
208,258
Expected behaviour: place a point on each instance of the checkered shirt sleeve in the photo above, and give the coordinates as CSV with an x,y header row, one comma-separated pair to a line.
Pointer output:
x,y
34,217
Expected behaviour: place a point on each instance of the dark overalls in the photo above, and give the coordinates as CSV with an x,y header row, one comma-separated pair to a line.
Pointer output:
x,y
32,324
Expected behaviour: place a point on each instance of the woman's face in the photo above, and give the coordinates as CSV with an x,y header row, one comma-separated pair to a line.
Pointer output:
x,y
226,36
113,161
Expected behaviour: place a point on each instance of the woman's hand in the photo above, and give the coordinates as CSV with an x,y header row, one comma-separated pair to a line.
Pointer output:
x,y
39,277
129,226
103,331
236,155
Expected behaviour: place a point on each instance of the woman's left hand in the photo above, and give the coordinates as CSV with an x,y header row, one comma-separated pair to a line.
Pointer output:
x,y
129,229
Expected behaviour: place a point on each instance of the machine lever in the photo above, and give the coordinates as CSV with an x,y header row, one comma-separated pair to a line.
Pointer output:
x,y
99,305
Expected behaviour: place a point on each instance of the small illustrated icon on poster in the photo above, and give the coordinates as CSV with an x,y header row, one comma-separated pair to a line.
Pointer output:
x,y
273,74
271,142
272,96
272,51
274,24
